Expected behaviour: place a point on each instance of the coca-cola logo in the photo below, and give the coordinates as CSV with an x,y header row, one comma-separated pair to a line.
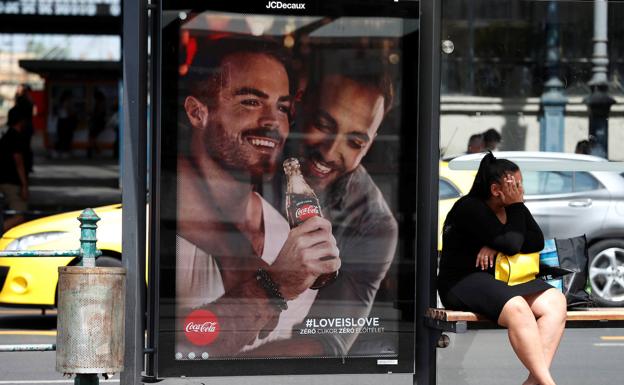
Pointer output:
x,y
201,327
306,211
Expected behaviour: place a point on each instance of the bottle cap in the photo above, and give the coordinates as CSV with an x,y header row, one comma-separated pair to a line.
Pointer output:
x,y
291,165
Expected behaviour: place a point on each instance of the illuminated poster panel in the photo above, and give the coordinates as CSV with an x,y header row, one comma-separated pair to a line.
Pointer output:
x,y
286,131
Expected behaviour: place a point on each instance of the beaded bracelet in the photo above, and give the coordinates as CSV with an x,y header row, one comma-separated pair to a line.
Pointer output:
x,y
271,288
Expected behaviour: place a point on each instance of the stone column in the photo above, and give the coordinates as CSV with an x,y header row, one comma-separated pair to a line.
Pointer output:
x,y
599,102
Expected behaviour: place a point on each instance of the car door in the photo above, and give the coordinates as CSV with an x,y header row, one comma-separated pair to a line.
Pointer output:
x,y
566,203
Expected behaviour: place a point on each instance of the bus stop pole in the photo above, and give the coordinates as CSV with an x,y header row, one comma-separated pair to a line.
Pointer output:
x,y
427,185
134,182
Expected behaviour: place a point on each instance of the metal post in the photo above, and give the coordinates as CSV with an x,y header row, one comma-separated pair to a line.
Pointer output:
x,y
427,176
28,348
88,252
599,102
553,100
134,182
153,268
88,238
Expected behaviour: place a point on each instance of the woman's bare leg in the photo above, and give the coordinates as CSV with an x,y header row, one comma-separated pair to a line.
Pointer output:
x,y
524,336
549,308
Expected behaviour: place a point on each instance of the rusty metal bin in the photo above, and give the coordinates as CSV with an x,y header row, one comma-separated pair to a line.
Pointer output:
x,y
90,330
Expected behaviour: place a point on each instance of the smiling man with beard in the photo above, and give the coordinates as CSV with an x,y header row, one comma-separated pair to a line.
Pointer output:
x,y
340,115
239,268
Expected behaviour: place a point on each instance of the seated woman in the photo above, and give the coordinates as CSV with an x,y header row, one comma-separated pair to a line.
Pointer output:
x,y
492,218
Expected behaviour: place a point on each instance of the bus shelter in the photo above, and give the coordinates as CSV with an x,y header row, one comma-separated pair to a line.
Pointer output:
x,y
353,91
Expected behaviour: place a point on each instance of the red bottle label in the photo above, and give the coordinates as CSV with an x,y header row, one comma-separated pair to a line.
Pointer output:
x,y
301,209
306,211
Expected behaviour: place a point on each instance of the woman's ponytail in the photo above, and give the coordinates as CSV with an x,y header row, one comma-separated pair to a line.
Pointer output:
x,y
491,170
481,186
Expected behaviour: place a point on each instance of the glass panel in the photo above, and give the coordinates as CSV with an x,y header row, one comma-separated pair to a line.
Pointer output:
x,y
545,77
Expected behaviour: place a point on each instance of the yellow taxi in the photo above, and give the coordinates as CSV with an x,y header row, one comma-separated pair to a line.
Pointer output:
x,y
31,281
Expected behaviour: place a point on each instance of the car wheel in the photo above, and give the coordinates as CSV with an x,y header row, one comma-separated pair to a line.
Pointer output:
x,y
606,272
108,261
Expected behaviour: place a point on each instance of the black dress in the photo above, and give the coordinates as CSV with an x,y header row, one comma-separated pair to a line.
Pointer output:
x,y
469,226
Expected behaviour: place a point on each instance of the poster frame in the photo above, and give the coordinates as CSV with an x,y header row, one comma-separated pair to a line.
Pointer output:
x,y
165,364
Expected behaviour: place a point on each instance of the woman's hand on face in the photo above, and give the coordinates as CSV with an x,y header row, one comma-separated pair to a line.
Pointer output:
x,y
485,258
511,190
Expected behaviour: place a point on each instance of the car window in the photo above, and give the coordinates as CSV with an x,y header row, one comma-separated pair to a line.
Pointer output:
x,y
584,181
530,182
547,182
558,182
447,190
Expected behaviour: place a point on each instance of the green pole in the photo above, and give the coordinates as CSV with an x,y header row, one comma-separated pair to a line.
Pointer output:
x,y
88,239
88,252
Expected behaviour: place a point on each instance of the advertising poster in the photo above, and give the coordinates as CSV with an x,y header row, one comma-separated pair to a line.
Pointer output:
x,y
284,129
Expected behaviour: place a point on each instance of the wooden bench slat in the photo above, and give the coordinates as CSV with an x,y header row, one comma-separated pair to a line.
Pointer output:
x,y
591,314
596,315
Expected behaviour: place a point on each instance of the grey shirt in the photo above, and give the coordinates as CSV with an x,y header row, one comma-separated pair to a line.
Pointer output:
x,y
366,233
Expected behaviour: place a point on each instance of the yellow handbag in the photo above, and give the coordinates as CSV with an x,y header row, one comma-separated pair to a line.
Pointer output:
x,y
516,269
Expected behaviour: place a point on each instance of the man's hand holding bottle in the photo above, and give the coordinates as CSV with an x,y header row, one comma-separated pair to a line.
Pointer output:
x,y
309,252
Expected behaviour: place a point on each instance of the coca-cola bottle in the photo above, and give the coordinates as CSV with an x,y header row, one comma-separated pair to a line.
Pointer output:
x,y
301,204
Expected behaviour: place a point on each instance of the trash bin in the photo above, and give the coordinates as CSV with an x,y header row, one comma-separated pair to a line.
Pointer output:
x,y
90,327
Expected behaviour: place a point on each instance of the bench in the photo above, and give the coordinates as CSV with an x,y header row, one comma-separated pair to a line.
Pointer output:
x,y
455,321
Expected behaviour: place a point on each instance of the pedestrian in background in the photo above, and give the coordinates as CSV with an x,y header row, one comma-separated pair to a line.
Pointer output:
x,y
66,124
589,146
23,102
491,139
583,147
97,121
13,174
475,144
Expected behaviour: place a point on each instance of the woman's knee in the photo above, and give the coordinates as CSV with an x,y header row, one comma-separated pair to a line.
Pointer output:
x,y
558,299
552,301
516,310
